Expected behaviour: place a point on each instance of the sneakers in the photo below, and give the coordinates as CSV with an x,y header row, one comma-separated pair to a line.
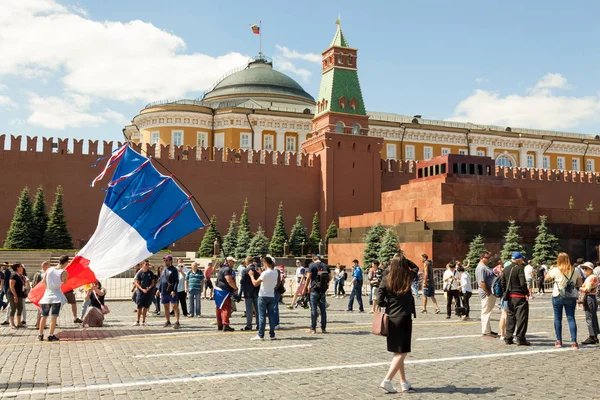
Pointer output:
x,y
227,328
176,326
167,324
448,317
508,340
494,334
257,338
406,387
77,321
53,338
144,323
324,331
589,340
41,338
312,332
388,387
437,311
525,342
558,343
136,324
575,346
247,328
272,338
423,311
277,328
290,307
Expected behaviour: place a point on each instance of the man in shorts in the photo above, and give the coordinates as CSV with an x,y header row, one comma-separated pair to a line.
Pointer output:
x,y
208,282
428,284
144,283
169,280
53,297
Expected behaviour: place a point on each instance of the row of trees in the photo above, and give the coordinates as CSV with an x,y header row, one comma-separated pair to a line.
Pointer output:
x,y
33,228
545,249
381,244
241,242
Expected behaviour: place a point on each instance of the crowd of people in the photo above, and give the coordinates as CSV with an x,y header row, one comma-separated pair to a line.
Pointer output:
x,y
507,285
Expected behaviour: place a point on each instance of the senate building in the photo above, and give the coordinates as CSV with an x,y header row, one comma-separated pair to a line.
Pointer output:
x,y
256,107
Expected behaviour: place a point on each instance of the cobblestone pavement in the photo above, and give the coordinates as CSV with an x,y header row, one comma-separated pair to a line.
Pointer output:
x,y
449,359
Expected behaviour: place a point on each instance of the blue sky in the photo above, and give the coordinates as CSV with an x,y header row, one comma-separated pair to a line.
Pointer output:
x,y
82,69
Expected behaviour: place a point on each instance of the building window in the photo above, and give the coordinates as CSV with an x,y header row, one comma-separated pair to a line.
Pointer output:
x,y
390,150
546,162
589,165
290,143
427,152
504,161
339,127
245,140
340,60
575,166
342,102
356,129
462,152
409,152
154,136
350,59
177,138
202,139
480,153
530,162
445,151
560,163
268,142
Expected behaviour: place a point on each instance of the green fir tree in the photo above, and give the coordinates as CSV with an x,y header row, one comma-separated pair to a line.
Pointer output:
x,y
244,234
297,236
476,247
279,234
547,246
259,245
40,218
373,241
230,239
208,241
57,235
331,233
22,234
389,246
315,234
512,241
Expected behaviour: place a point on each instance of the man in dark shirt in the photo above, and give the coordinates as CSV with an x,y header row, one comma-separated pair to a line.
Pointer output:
x,y
144,283
317,295
250,291
428,284
225,283
5,284
514,285
169,279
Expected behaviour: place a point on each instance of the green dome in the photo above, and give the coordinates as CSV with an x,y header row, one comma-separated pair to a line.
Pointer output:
x,y
259,80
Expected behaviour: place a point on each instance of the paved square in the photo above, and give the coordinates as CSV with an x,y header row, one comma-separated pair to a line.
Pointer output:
x,y
449,359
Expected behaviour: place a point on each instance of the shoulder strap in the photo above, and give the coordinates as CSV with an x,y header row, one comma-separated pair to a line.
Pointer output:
x,y
512,268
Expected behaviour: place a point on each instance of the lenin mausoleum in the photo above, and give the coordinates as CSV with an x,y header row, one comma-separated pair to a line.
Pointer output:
x,y
257,134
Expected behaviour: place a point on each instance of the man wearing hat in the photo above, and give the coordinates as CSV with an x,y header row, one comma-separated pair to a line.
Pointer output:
x,y
590,304
224,290
515,286
169,279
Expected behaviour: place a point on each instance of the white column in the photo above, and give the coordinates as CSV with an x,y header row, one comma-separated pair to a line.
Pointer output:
x,y
280,146
539,159
489,151
257,145
473,149
522,157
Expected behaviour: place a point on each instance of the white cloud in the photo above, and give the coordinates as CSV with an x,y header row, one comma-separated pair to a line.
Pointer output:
x,y
73,110
538,108
113,60
7,103
481,80
283,64
294,55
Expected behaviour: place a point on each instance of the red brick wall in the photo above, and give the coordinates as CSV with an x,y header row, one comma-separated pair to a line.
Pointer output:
x,y
220,186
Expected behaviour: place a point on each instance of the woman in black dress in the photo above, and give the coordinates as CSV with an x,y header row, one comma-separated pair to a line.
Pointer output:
x,y
395,295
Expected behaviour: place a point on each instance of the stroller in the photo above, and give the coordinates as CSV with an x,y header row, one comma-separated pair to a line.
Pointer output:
x,y
302,301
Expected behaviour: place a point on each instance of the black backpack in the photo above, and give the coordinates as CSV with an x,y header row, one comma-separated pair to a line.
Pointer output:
x,y
322,279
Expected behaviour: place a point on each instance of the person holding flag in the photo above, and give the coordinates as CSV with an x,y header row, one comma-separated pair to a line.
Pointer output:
x,y
224,290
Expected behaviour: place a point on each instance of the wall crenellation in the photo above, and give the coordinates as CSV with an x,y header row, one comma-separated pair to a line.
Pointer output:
x,y
547,175
184,154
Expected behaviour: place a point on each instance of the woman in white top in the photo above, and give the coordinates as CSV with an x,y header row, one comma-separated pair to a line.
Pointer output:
x,y
466,289
451,283
564,295
267,302
52,300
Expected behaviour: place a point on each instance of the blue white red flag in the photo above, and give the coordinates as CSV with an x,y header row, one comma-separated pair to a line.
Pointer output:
x,y
143,212
255,29
220,296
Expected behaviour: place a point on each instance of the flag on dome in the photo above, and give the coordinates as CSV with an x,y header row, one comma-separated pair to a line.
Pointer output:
x,y
255,29
143,212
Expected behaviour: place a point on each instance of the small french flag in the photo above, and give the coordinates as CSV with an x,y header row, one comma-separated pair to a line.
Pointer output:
x,y
255,29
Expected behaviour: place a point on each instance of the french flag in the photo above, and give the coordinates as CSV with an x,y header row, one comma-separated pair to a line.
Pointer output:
x,y
143,212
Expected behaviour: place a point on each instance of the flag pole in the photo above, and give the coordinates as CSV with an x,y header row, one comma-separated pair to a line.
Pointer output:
x,y
260,34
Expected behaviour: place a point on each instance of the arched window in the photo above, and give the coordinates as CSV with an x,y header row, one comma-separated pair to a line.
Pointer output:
x,y
504,161
342,102
356,129
339,127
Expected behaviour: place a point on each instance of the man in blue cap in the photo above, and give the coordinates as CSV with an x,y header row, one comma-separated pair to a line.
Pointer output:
x,y
514,285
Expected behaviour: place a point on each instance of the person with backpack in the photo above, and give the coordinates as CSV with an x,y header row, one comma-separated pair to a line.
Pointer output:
x,y
516,291
357,282
279,291
375,281
317,278
564,295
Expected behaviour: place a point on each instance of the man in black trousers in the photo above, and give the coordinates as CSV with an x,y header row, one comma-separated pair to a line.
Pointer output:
x,y
516,292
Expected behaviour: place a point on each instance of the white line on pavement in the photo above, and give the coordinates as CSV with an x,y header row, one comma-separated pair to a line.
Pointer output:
x,y
470,336
235,375
222,351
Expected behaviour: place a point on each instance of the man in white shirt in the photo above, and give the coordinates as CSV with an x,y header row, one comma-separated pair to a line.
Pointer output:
x,y
182,293
529,278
